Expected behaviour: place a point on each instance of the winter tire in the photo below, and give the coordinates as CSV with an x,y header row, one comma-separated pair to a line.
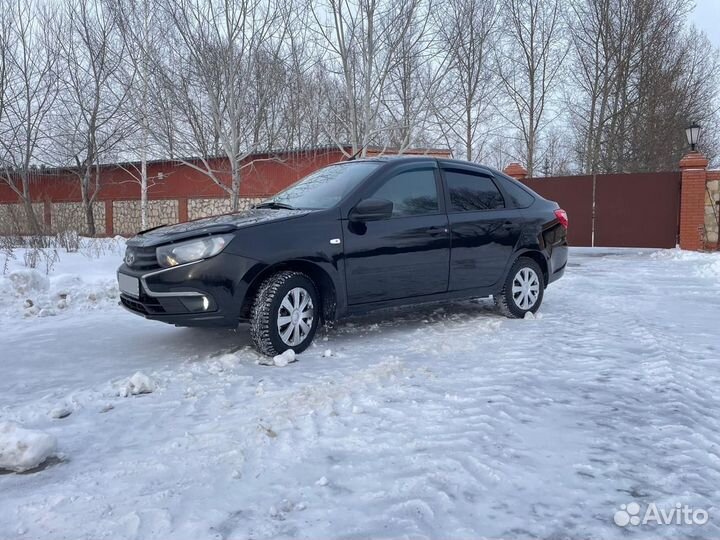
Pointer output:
x,y
285,313
523,289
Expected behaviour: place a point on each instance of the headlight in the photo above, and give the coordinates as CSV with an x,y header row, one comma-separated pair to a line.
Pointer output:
x,y
192,250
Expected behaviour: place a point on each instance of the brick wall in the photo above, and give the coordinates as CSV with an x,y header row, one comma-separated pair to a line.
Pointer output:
x,y
177,192
192,193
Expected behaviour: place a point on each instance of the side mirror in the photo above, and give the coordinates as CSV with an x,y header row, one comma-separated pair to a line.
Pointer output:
x,y
371,210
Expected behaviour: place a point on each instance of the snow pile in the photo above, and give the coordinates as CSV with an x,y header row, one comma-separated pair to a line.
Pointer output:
x,y
27,282
280,360
705,265
136,385
323,481
676,254
83,279
23,449
224,362
34,294
711,269
60,412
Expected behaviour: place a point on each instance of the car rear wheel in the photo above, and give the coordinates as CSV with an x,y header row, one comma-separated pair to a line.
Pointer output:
x,y
523,289
285,313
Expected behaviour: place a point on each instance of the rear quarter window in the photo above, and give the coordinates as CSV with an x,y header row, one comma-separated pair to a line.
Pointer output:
x,y
519,196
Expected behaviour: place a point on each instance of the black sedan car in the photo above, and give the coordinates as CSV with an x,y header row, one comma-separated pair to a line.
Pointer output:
x,y
349,238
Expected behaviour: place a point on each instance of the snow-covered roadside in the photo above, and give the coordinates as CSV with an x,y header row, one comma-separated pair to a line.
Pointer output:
x,y
703,264
76,281
443,421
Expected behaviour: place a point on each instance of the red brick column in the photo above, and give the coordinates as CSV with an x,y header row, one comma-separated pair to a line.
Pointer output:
x,y
692,200
182,210
516,171
47,215
109,231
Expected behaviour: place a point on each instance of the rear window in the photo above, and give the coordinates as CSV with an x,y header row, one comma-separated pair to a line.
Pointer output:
x,y
519,196
470,192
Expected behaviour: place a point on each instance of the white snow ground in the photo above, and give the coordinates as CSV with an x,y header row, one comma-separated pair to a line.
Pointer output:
x,y
442,422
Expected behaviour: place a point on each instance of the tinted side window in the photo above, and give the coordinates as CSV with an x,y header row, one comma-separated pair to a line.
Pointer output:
x,y
470,192
519,196
412,193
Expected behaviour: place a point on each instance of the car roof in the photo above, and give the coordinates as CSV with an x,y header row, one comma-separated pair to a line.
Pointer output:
x,y
395,158
446,162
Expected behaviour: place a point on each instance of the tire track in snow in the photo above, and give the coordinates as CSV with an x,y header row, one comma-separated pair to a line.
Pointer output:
x,y
603,396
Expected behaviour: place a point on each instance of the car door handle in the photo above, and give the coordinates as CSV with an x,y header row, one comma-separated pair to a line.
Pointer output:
x,y
508,225
436,231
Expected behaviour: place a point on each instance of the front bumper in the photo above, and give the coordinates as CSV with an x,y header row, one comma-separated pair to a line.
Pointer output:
x,y
202,293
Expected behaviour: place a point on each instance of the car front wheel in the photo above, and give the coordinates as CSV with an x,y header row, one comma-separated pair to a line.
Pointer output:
x,y
285,313
523,289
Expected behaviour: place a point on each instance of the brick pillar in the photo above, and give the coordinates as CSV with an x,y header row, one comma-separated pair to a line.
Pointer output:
x,y
692,201
516,171
182,210
47,215
109,230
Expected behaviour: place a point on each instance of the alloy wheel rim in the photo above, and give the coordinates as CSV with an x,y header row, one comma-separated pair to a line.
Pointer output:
x,y
525,288
295,316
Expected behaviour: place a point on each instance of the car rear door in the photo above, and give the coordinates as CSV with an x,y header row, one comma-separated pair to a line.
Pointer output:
x,y
408,254
484,229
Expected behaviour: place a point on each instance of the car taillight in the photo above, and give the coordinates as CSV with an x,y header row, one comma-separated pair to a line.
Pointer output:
x,y
561,215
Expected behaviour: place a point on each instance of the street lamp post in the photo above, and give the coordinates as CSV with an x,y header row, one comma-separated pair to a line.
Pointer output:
x,y
692,133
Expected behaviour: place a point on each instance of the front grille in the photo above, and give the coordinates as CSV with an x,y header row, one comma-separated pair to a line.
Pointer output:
x,y
143,258
150,306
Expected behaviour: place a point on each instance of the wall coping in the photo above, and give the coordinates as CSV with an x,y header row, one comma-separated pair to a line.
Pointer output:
x,y
694,160
516,171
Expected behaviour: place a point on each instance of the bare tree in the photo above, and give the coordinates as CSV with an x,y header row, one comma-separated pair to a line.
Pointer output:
x,y
415,84
468,30
593,42
675,85
93,96
639,76
30,81
529,66
555,152
363,38
210,83
137,24
5,26
305,90
207,79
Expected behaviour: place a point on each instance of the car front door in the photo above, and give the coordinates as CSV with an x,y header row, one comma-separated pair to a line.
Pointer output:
x,y
407,254
484,230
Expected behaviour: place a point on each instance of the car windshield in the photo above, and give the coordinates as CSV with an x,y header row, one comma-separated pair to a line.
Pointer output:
x,y
323,188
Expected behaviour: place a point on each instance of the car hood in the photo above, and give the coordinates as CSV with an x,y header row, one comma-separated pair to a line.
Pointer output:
x,y
212,225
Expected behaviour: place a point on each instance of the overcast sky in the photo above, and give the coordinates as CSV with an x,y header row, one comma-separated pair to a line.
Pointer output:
x,y
707,17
